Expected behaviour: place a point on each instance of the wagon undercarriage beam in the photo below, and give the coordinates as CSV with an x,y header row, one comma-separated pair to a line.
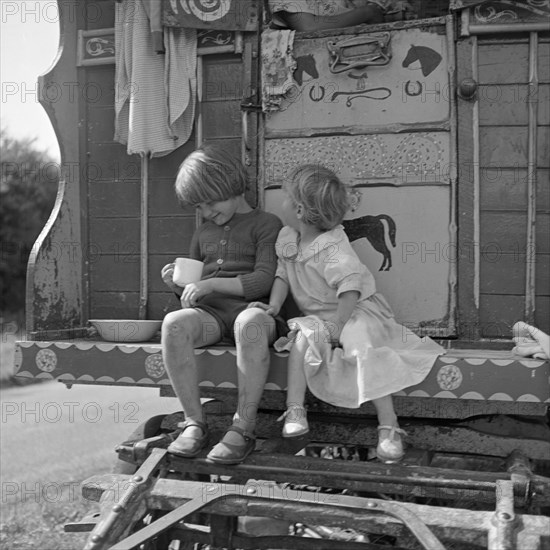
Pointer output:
x,y
124,498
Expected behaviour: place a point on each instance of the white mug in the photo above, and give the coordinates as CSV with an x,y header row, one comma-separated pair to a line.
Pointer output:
x,y
187,271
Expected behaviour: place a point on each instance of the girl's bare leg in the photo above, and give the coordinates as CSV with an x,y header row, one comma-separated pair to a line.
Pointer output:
x,y
296,382
182,332
385,411
254,332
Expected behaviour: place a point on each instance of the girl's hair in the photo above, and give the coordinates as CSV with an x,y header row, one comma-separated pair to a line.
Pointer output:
x,y
210,174
323,196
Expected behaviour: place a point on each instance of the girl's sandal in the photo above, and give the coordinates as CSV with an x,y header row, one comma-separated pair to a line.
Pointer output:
x,y
295,418
230,453
189,446
390,448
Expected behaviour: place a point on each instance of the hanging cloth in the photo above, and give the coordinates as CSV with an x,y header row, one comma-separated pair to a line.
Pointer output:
x,y
155,95
278,66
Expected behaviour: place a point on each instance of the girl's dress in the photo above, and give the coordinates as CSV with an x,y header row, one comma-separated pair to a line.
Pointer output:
x,y
378,356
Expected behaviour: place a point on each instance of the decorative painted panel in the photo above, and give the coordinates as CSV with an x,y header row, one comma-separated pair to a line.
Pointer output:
x,y
212,14
405,80
497,376
96,47
509,11
402,235
375,159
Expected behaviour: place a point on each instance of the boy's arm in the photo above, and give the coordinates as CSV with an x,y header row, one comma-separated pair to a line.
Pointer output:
x,y
306,22
258,283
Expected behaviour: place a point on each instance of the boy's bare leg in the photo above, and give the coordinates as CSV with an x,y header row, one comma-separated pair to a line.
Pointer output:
x,y
182,332
254,332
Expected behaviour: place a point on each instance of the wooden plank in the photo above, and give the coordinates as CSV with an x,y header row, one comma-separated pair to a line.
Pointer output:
x,y
98,15
503,63
113,236
506,189
425,407
118,273
171,235
506,274
97,91
507,232
468,309
222,78
114,305
101,125
222,119
498,313
507,105
542,312
166,167
114,198
506,146
105,160
544,61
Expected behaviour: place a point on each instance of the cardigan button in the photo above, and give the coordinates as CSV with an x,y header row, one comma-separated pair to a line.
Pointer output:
x,y
220,262
223,242
227,228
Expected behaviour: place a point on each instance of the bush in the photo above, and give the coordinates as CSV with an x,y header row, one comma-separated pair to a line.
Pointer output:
x,y
28,186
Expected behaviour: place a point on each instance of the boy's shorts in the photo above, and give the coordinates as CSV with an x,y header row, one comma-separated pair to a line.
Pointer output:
x,y
225,309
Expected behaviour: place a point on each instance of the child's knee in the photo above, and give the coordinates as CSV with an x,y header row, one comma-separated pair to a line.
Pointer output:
x,y
176,325
253,327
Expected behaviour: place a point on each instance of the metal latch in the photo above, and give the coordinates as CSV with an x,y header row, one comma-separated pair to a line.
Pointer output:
x,y
359,52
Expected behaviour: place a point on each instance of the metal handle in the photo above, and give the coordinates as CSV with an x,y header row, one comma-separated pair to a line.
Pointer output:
x,y
359,52
467,89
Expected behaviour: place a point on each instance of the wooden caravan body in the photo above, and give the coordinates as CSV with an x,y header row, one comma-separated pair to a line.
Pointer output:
x,y
441,125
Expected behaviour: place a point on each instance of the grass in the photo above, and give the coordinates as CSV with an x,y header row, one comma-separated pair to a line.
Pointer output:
x,y
32,524
12,329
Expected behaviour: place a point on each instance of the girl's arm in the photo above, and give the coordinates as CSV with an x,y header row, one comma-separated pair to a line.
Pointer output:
x,y
279,292
346,304
306,22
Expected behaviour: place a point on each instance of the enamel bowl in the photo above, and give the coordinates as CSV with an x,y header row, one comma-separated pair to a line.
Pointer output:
x,y
126,330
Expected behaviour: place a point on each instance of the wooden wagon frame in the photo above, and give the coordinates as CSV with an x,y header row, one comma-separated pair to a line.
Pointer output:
x,y
477,472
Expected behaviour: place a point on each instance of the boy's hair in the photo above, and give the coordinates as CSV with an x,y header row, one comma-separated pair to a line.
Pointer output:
x,y
210,174
321,193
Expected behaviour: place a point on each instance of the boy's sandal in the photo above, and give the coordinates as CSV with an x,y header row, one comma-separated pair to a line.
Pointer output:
x,y
295,418
390,448
231,453
189,446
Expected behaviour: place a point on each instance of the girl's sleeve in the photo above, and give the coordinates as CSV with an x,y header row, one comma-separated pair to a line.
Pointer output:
x,y
344,271
282,244
258,283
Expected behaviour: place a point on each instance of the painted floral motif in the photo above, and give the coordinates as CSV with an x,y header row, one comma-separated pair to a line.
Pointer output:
x,y
46,360
17,358
449,377
154,365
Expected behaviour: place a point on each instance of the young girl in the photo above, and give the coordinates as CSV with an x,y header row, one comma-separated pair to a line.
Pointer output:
x,y
337,293
236,244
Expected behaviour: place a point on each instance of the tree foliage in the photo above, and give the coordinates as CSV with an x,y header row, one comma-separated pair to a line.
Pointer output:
x,y
28,185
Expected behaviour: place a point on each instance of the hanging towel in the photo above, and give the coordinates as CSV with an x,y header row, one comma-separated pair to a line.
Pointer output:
x,y
155,95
